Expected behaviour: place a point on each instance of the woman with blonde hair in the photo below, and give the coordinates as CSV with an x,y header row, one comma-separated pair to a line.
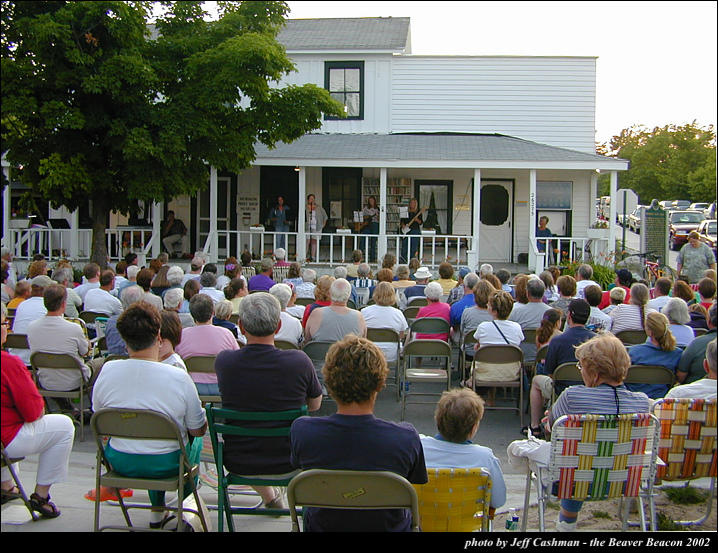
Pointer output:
x,y
632,315
384,314
322,297
603,363
659,350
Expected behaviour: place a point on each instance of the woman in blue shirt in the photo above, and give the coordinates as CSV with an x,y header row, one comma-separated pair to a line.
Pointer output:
x,y
660,349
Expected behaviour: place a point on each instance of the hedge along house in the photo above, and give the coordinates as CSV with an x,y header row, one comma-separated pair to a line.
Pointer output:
x,y
487,144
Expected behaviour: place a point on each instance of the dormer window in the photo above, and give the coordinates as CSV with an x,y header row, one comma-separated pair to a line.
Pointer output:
x,y
345,82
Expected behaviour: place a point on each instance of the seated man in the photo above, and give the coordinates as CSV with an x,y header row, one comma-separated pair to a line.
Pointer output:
x,y
208,286
422,276
704,387
142,382
335,321
457,417
560,350
115,343
91,272
598,321
101,300
262,282
529,315
690,367
341,272
174,233
63,276
32,309
354,439
204,339
364,285
260,377
53,334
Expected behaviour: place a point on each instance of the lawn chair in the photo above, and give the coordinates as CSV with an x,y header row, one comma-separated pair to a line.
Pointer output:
x,y
141,424
223,422
597,457
455,500
351,489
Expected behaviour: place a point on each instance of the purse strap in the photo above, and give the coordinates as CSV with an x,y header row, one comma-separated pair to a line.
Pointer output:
x,y
502,334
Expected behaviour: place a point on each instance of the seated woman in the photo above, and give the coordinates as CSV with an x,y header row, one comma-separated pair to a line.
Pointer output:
x,y
191,288
232,270
632,315
678,316
603,362
434,308
294,274
383,314
698,315
457,417
171,335
472,317
142,382
234,292
222,313
321,297
26,431
660,349
550,326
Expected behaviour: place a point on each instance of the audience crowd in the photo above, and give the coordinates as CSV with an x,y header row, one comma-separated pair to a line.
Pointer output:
x,y
132,331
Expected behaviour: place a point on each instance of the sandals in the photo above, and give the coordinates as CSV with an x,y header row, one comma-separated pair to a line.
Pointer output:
x,y
536,432
44,506
9,495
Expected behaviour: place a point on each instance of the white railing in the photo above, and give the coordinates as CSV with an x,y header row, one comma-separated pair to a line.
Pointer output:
x,y
123,240
565,250
434,248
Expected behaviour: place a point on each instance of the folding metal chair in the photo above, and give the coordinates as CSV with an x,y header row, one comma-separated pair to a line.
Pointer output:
x,y
566,373
423,375
351,489
317,351
62,362
8,462
632,337
224,422
284,344
389,335
141,424
455,500
597,457
203,364
504,358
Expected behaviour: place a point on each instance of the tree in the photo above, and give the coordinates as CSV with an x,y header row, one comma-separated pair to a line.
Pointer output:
x,y
99,106
670,162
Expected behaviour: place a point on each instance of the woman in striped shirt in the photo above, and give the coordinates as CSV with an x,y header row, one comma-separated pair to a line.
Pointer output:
x,y
632,315
603,362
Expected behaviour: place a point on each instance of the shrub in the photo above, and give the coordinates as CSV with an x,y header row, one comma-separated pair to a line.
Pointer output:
x,y
603,276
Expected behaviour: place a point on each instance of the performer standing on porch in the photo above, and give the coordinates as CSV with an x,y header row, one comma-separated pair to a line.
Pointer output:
x,y
371,225
314,224
543,231
278,215
411,225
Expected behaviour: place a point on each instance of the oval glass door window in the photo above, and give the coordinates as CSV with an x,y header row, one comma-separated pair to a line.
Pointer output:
x,y
494,205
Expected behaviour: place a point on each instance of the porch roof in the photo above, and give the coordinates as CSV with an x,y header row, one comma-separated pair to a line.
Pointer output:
x,y
424,150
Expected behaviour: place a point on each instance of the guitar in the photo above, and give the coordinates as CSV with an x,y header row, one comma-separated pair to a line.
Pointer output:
x,y
405,229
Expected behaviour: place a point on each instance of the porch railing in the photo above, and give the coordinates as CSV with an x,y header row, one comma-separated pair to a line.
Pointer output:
x,y
566,250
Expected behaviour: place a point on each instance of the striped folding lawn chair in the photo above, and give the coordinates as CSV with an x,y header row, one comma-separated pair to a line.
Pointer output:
x,y
597,457
687,444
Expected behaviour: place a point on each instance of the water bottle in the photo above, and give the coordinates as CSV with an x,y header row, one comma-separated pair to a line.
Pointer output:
x,y
512,521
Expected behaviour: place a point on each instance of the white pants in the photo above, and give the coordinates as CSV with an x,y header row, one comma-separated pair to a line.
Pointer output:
x,y
51,437
171,241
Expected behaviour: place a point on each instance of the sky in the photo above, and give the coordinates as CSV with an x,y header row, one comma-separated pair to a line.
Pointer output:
x,y
656,60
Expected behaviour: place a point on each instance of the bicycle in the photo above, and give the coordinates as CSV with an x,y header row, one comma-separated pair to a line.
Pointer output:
x,y
653,270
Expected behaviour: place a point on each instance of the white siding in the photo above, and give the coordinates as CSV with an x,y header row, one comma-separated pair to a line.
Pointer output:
x,y
546,100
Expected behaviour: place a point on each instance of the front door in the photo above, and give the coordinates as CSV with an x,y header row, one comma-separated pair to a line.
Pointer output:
x,y
495,220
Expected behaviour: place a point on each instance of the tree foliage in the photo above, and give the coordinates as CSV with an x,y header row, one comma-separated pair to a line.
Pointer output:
x,y
99,105
667,163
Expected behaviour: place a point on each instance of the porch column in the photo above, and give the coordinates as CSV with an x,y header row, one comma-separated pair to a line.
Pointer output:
x,y
612,221
532,219
214,241
381,242
474,254
156,229
74,234
6,207
302,217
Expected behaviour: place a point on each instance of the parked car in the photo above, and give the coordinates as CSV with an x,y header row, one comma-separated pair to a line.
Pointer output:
x,y
707,231
680,204
666,204
680,224
634,219
700,206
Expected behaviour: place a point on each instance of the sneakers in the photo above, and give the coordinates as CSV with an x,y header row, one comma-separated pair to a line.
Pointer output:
x,y
563,526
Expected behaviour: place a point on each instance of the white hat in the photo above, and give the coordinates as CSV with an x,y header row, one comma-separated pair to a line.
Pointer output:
x,y
422,273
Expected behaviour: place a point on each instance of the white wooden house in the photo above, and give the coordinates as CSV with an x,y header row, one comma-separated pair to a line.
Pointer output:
x,y
488,142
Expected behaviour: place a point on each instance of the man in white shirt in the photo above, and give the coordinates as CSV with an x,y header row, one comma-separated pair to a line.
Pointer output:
x,y
598,321
91,272
704,388
32,309
74,302
291,327
529,315
584,274
101,300
661,291
208,283
54,334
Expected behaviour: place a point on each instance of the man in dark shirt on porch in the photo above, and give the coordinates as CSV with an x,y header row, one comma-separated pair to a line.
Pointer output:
x,y
260,377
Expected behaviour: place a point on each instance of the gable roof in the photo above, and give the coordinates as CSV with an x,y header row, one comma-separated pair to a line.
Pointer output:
x,y
429,150
355,33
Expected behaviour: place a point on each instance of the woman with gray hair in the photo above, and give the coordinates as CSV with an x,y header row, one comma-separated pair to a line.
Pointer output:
x,y
434,308
173,299
291,329
74,301
222,313
676,311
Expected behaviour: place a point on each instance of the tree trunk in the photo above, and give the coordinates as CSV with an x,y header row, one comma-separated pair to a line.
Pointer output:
x,y
100,211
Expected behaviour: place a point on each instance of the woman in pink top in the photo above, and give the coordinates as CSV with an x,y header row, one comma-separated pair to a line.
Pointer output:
x,y
434,308
204,339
